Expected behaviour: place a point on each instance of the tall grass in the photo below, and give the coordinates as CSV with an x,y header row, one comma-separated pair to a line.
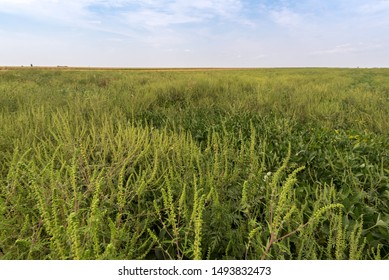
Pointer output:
x,y
248,164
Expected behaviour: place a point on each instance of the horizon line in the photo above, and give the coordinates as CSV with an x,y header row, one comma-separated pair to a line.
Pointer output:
x,y
48,67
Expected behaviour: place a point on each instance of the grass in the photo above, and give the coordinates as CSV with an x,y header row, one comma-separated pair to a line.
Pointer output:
x,y
210,164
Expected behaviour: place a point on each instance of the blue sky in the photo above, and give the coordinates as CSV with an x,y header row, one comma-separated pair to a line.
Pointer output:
x,y
201,33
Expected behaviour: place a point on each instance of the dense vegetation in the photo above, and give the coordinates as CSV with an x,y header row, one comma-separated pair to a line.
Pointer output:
x,y
237,164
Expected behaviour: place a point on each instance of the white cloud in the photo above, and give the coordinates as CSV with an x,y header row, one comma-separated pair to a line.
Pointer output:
x,y
344,48
154,18
125,17
260,56
70,12
217,32
295,19
285,17
374,7
164,13
16,1
373,15
349,48
179,8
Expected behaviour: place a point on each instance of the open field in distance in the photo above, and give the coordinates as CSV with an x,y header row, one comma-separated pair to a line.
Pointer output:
x,y
194,163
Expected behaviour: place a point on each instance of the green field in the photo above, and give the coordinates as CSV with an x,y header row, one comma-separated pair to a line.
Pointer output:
x,y
207,164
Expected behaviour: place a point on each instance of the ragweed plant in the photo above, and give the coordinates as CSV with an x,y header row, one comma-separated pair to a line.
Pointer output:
x,y
141,164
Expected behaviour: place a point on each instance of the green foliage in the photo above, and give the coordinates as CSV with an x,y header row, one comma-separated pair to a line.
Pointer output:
x,y
238,164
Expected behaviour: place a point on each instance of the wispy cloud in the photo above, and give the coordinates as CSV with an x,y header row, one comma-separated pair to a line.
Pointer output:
x,y
290,15
166,13
217,32
286,17
374,14
150,18
349,48
130,18
149,12
59,12
374,7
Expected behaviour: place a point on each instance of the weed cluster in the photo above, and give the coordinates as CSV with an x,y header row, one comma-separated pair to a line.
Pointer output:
x,y
249,164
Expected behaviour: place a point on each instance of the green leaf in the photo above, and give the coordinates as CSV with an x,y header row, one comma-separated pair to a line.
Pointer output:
x,y
381,223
